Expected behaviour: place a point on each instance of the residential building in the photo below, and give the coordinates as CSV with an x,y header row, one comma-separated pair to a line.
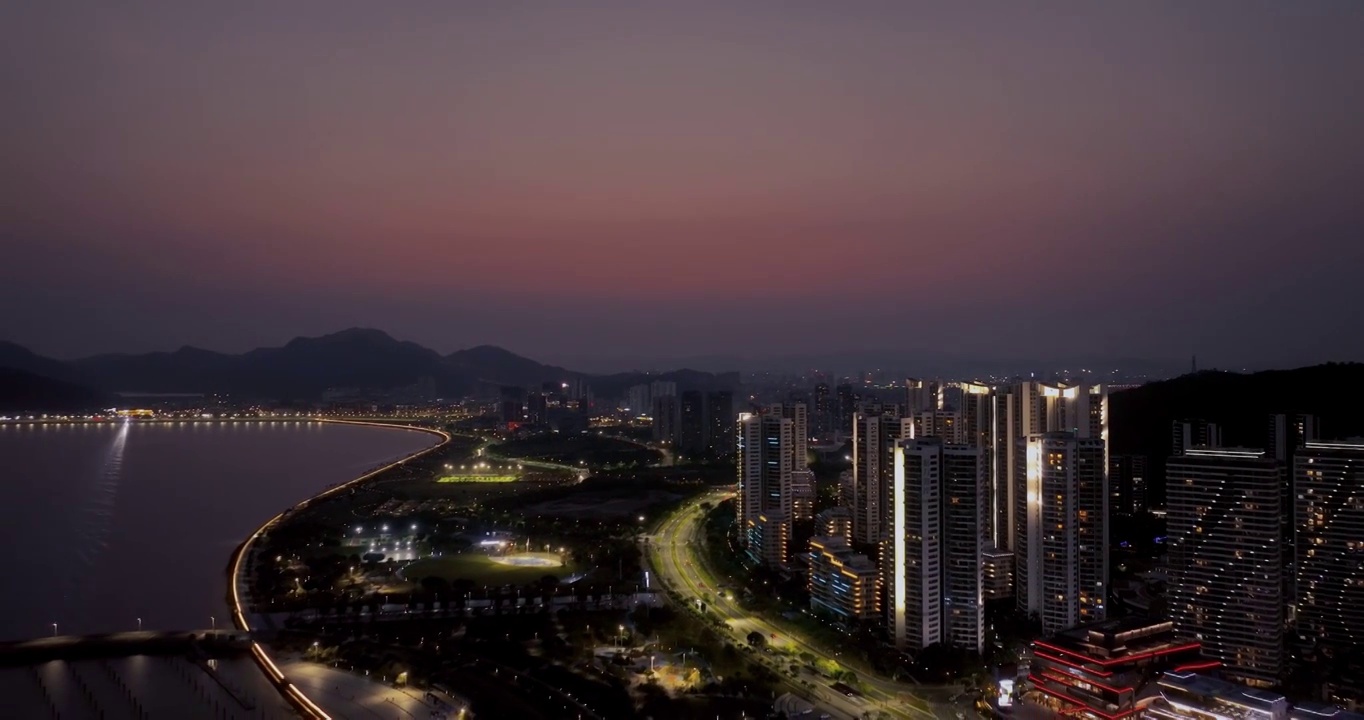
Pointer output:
x,y
996,573
1127,484
764,503
1187,434
1329,519
797,413
835,522
1061,543
802,494
720,424
932,562
842,582
921,395
821,425
875,430
1287,433
691,425
1025,410
1226,571
665,415
847,405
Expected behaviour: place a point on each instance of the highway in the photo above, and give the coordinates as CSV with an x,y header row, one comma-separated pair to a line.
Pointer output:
x,y
675,552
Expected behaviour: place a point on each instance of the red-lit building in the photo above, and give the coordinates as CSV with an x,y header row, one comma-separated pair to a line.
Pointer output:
x,y
1098,671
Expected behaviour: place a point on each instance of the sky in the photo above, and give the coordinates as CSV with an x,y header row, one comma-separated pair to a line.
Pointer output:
x,y
580,181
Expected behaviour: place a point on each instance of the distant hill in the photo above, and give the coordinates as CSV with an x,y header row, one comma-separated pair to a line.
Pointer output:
x,y
1141,418
305,367
23,391
18,357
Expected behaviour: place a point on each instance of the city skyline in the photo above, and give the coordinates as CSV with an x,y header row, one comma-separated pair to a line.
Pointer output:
x,y
615,180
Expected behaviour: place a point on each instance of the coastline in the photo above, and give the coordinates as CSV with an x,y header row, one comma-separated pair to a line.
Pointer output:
x,y
236,566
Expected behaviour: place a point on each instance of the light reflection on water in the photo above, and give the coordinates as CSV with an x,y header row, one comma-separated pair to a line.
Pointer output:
x,y
103,524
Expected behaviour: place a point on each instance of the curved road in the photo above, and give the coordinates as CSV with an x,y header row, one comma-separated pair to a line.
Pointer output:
x,y
241,587
675,553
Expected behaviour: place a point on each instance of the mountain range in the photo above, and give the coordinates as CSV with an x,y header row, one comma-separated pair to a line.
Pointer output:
x,y
305,367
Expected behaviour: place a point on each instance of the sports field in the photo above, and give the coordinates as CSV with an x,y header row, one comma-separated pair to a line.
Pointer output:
x,y
476,478
516,569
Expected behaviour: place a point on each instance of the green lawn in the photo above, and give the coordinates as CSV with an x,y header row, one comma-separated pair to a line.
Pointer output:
x,y
477,479
481,569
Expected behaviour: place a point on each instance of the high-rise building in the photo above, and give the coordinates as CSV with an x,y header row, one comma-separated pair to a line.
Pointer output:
x,y
764,468
637,399
691,425
1127,483
537,408
1226,559
822,422
931,560
847,405
875,430
719,424
665,415
997,573
513,406
842,583
797,413
1288,433
1025,410
1188,434
944,423
963,537
921,395
1329,518
1061,541
662,388
802,494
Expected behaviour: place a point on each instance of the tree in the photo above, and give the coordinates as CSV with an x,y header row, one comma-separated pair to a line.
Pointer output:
x,y
756,639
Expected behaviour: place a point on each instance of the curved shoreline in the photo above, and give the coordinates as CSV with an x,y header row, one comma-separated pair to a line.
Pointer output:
x,y
235,580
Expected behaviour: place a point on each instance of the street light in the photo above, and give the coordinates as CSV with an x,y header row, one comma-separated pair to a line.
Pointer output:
x,y
54,629
213,622
139,624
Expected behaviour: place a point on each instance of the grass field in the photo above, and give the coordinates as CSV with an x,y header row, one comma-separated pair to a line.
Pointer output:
x,y
476,478
481,569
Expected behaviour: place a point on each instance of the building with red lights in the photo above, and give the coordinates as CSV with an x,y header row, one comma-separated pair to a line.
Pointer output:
x,y
1099,671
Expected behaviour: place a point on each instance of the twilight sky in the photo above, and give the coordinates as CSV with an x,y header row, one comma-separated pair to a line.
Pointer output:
x,y
583,180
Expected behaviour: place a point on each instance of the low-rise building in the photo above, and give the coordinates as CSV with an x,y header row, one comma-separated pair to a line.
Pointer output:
x,y
1190,696
842,582
1100,671
835,522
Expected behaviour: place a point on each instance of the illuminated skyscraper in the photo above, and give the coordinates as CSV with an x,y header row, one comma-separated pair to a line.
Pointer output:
x,y
875,430
764,465
1028,409
798,414
931,559
1226,559
1061,545
1329,519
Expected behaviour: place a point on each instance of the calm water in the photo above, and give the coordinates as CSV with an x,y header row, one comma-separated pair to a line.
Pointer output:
x,y
103,524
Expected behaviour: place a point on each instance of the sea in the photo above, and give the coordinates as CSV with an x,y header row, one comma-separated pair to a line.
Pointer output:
x,y
108,527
